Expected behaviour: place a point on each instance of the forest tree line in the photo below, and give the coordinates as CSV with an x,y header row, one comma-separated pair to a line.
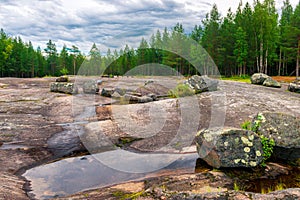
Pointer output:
x,y
253,39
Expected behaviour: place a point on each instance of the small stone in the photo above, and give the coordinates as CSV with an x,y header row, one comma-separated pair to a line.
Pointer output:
x,y
107,92
62,79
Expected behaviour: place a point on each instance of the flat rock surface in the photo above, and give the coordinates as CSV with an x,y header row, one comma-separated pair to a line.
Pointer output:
x,y
30,115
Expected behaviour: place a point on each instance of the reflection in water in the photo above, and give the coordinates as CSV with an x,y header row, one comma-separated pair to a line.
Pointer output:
x,y
72,175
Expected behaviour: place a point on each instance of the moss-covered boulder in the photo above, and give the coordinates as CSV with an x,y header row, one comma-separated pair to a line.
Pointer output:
x,y
269,82
63,87
258,78
90,87
284,129
294,86
229,147
202,84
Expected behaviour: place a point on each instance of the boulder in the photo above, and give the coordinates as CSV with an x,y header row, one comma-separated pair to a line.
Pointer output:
x,y
269,82
229,147
63,87
90,87
294,86
258,78
284,129
202,84
107,92
62,79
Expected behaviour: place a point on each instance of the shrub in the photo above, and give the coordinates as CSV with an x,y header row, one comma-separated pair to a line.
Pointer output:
x,y
181,90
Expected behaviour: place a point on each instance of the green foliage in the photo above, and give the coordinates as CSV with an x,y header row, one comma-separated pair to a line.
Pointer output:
x,y
236,187
64,71
181,90
268,145
246,125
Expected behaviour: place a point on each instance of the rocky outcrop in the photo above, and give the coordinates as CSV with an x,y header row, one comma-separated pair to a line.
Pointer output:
x,y
202,84
265,80
90,87
294,86
284,129
229,147
62,79
269,82
62,87
293,193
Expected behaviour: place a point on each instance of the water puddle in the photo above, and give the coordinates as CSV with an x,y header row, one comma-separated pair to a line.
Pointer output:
x,y
76,174
13,146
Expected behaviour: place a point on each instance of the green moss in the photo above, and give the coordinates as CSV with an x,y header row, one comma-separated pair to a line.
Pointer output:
x,y
122,195
268,146
246,125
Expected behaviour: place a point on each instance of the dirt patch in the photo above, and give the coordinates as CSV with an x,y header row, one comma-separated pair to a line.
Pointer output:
x,y
284,79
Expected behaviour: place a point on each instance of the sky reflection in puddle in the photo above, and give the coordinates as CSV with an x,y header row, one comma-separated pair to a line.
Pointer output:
x,y
76,174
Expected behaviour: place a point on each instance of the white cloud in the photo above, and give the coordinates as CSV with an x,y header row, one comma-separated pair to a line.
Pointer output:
x,y
111,23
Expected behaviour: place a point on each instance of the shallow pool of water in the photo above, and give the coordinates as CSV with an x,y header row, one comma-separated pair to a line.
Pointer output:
x,y
76,174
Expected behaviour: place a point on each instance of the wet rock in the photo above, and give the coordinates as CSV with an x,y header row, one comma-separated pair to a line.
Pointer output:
x,y
284,129
202,83
66,142
99,82
61,87
107,92
62,79
229,147
294,86
90,87
258,78
269,82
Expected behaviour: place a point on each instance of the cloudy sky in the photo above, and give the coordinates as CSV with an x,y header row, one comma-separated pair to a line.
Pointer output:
x,y
108,23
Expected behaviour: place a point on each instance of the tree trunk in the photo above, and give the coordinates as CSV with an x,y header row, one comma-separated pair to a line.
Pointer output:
x,y
297,60
266,62
261,51
279,65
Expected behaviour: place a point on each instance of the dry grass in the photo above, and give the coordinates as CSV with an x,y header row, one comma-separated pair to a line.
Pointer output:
x,y
286,79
